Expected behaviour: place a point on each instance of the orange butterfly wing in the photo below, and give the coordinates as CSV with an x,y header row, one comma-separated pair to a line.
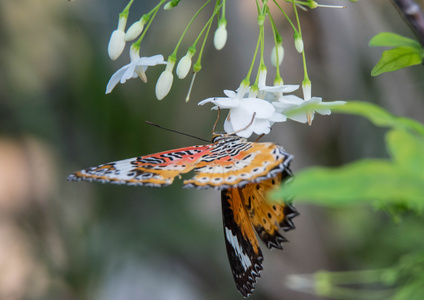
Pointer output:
x,y
247,209
230,161
243,249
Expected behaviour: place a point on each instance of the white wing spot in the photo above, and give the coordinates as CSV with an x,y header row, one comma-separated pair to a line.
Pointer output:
x,y
232,239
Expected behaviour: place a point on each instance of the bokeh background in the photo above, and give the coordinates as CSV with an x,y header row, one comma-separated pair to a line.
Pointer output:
x,y
67,240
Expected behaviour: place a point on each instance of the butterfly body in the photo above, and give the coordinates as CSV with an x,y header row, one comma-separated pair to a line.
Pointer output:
x,y
244,171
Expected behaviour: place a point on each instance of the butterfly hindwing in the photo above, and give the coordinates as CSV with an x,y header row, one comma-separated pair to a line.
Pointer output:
x,y
268,217
243,249
248,209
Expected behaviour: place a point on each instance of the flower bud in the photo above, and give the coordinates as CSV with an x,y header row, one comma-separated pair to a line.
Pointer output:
x,y
171,4
298,43
184,66
262,77
277,51
220,37
117,40
116,44
164,84
134,31
307,90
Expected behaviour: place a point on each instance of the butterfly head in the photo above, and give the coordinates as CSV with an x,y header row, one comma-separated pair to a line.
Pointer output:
x,y
222,136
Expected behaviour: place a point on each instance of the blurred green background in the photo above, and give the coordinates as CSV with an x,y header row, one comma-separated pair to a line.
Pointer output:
x,y
67,240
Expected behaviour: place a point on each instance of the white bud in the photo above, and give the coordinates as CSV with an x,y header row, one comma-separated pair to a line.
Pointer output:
x,y
298,44
134,31
220,37
117,39
262,78
116,44
184,66
279,50
307,90
171,4
164,84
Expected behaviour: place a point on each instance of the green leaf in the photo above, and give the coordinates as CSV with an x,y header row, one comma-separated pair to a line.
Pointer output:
x,y
388,39
379,116
372,181
407,151
397,58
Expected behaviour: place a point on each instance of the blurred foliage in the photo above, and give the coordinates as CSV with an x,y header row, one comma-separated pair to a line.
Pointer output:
x,y
395,185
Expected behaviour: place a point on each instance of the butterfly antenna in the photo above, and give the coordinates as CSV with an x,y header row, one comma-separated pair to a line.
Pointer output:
x,y
244,128
182,133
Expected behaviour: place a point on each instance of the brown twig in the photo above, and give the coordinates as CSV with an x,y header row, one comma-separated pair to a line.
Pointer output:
x,y
413,16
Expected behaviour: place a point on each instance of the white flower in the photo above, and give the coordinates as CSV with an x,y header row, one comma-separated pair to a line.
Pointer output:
x,y
117,40
244,111
164,83
292,106
137,67
220,36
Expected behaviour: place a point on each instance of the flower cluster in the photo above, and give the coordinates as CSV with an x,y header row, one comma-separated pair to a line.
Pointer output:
x,y
256,109
252,109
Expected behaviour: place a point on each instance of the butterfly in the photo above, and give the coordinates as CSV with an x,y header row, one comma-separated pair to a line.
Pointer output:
x,y
243,171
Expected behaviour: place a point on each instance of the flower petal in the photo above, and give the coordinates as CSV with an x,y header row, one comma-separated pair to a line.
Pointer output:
x,y
230,93
151,61
129,72
116,77
300,117
262,108
287,88
262,126
278,117
240,118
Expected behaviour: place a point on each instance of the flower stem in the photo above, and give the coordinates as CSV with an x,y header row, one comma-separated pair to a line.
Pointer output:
x,y
151,15
197,66
305,70
287,17
277,40
187,27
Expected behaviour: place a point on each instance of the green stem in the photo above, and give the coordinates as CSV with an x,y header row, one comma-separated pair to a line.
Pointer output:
x,y
287,17
126,9
305,70
151,15
174,54
247,79
277,40
198,66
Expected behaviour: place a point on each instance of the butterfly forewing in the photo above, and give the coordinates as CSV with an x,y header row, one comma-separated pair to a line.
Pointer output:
x,y
234,162
230,161
157,169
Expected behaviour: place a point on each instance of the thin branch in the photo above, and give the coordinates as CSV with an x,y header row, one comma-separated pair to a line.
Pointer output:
x,y
413,16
